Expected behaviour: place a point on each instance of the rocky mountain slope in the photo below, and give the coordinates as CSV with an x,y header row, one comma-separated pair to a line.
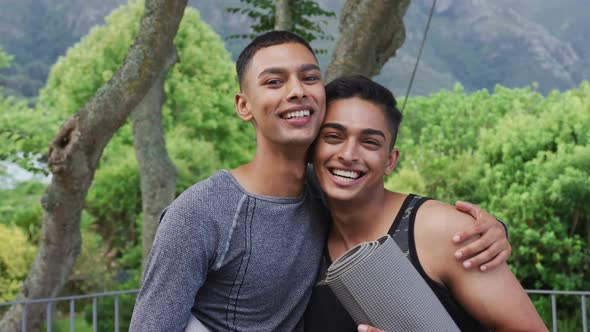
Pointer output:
x,y
477,43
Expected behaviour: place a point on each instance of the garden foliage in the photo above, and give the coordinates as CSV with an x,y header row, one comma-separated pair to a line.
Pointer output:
x,y
523,157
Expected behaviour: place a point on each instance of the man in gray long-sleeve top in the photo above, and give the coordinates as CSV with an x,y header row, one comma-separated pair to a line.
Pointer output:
x,y
240,251
251,260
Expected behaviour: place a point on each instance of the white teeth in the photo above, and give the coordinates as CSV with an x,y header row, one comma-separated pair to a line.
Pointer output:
x,y
297,114
344,179
346,174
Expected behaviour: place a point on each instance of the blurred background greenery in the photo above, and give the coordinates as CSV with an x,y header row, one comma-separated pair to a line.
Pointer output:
x,y
500,116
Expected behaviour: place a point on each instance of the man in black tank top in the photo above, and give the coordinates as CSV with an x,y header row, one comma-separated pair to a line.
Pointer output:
x,y
352,154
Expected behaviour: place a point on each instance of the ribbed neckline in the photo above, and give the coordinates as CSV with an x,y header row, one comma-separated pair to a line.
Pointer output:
x,y
280,200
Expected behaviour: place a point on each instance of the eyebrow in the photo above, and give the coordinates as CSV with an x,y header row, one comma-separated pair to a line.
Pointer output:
x,y
336,126
368,131
280,70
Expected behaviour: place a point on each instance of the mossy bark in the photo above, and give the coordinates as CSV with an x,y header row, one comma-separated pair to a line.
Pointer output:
x,y
284,15
76,150
156,171
371,31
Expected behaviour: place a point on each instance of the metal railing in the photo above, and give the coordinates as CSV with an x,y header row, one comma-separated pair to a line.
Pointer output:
x,y
51,301
581,294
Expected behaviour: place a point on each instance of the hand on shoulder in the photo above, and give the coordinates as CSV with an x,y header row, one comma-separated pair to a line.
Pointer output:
x,y
436,223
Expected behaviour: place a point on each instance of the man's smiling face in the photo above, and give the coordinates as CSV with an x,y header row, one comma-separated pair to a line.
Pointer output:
x,y
353,151
283,95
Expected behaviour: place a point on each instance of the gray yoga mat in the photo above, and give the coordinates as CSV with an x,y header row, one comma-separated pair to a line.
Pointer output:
x,y
379,286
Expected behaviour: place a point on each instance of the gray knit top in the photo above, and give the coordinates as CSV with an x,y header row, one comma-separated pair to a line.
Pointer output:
x,y
237,261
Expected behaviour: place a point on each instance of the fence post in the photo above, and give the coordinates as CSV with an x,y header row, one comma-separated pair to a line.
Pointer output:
x,y
584,319
49,316
72,315
94,316
554,312
23,325
116,312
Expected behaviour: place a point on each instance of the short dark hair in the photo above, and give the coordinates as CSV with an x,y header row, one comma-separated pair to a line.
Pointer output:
x,y
368,90
267,39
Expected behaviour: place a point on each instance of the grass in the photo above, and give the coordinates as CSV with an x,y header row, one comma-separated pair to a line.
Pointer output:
x,y
63,324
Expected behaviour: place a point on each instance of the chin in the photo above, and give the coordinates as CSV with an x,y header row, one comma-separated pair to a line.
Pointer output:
x,y
341,195
305,139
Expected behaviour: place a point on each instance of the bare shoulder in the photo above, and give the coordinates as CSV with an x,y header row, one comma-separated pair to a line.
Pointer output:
x,y
495,298
436,223
439,219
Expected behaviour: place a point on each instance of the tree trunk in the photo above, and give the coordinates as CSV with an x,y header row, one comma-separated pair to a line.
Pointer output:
x,y
76,150
284,15
156,171
371,31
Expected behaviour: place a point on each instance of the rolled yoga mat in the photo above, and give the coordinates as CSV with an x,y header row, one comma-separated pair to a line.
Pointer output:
x,y
379,286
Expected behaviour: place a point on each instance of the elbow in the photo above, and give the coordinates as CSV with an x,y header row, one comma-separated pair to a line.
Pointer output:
x,y
527,321
535,324
538,326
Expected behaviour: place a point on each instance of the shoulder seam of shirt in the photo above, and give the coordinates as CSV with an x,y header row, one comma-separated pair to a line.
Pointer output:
x,y
231,231
248,229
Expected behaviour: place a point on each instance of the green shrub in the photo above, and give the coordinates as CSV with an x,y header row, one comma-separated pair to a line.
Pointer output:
x,y
21,207
106,305
16,256
523,157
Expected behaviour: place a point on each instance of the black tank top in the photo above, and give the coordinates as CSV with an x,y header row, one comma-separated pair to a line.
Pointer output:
x,y
325,313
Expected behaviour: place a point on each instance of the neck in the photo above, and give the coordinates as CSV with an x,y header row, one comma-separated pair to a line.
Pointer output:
x,y
277,171
359,220
364,220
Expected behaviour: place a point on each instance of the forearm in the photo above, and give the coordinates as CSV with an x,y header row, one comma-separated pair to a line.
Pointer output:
x,y
531,325
497,300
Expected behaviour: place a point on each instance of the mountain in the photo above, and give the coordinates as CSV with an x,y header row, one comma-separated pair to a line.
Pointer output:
x,y
36,32
477,43
484,43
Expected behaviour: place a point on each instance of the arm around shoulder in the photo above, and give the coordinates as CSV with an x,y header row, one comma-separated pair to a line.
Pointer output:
x,y
494,298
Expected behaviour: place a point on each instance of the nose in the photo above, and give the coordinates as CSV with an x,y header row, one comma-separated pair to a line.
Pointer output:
x,y
348,152
296,89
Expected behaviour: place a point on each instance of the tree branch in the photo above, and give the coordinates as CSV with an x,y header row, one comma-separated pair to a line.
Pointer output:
x,y
76,150
284,15
371,31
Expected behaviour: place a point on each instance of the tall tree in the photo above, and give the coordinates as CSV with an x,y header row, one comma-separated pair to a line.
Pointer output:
x,y
304,17
199,120
74,154
284,15
156,171
371,31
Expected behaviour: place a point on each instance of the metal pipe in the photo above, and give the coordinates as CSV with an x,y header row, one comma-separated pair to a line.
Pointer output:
x,y
23,325
49,316
77,297
72,315
584,318
94,315
554,312
116,313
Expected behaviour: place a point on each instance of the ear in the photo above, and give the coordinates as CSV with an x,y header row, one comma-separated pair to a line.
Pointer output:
x,y
242,107
392,159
